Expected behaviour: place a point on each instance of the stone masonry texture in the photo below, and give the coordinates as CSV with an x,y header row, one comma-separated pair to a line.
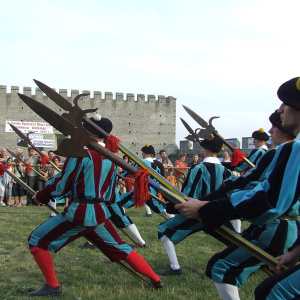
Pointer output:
x,y
137,120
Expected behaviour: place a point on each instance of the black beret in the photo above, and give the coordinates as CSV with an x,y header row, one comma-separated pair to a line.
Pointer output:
x,y
103,123
260,135
276,121
214,145
148,149
289,93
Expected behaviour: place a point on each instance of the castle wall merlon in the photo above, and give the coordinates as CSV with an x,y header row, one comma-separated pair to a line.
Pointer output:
x,y
108,96
151,98
161,99
14,91
63,92
74,93
86,92
27,91
97,95
129,96
39,95
3,92
119,96
141,97
171,99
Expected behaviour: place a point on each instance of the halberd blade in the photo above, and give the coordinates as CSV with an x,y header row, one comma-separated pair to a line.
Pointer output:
x,y
196,117
25,141
187,126
192,136
79,136
18,132
74,111
49,115
17,158
53,95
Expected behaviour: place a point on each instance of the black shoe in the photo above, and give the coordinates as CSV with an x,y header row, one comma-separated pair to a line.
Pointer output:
x,y
87,245
47,290
146,245
158,285
148,215
169,272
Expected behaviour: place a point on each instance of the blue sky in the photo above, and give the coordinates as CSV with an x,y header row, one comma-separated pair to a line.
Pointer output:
x,y
219,58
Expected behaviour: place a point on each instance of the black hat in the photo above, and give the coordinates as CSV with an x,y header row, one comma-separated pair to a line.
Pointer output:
x,y
260,134
148,149
214,145
289,93
103,123
276,121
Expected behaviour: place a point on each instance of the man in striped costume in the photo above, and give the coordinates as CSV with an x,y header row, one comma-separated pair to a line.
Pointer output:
x,y
272,205
90,183
121,220
148,153
286,285
255,175
260,139
201,180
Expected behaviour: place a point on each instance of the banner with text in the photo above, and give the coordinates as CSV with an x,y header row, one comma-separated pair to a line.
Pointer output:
x,y
41,143
26,127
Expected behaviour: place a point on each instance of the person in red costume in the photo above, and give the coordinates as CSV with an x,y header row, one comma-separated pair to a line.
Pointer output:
x,y
90,184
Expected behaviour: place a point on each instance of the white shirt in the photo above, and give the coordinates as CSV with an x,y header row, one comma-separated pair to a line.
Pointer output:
x,y
213,160
149,158
263,147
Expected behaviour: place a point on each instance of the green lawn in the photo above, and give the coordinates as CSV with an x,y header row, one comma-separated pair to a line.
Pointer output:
x,y
88,274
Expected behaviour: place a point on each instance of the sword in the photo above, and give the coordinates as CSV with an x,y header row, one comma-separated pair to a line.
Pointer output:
x,y
209,129
78,133
25,142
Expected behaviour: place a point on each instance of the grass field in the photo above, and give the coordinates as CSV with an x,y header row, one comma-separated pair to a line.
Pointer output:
x,y
88,274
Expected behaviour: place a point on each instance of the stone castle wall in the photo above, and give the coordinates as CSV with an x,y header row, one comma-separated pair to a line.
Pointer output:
x,y
137,119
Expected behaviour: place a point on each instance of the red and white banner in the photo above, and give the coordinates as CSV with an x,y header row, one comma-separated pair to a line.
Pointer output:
x,y
26,127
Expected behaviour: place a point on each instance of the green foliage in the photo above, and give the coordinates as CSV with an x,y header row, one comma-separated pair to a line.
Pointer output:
x,y
88,274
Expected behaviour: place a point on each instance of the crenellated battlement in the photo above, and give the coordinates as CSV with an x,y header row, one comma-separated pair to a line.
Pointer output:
x,y
137,118
97,95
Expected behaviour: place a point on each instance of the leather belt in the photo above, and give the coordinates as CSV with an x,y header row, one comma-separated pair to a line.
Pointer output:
x,y
88,201
288,218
